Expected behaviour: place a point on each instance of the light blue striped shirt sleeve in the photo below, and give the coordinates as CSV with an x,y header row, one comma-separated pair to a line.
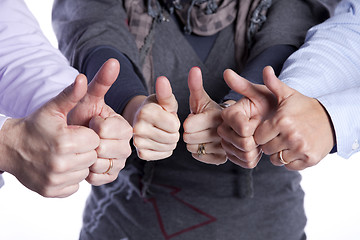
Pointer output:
x,y
344,109
1,181
327,67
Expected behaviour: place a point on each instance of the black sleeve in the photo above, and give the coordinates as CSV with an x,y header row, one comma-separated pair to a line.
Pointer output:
x,y
287,23
82,25
274,56
126,86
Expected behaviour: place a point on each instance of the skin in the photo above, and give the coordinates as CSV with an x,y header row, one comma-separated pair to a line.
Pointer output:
x,y
274,118
50,156
155,122
200,127
114,131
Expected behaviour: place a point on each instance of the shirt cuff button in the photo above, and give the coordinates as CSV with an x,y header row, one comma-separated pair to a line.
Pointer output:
x,y
355,145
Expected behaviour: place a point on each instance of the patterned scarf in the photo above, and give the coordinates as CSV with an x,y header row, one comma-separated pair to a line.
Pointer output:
x,y
202,17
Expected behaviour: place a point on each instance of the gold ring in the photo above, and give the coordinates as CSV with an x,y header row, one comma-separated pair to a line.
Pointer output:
x,y
282,159
111,164
201,149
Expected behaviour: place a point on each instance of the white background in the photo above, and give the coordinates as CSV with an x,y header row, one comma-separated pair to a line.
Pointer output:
x,y
332,193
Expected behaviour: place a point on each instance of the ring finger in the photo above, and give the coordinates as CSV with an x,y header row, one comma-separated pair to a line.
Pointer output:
x,y
210,148
108,166
209,135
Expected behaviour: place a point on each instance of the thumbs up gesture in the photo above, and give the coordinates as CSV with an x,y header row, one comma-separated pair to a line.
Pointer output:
x,y
300,129
46,154
114,131
156,124
241,119
200,126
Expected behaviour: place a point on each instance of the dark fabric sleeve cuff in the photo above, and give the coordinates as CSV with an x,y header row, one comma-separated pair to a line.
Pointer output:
x,y
274,56
127,85
334,149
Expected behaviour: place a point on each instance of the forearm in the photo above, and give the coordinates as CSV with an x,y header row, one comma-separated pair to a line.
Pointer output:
x,y
3,119
82,25
287,22
274,56
132,107
329,60
32,71
127,85
10,134
343,109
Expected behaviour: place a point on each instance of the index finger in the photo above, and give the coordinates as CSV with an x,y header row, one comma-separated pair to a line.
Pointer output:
x,y
114,127
239,122
266,132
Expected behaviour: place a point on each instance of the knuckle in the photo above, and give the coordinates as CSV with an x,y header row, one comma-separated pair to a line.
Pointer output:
x,y
139,128
127,132
143,154
173,146
138,142
125,152
112,178
220,130
186,137
175,137
57,165
60,145
266,149
46,192
187,124
245,130
226,113
311,158
295,138
146,112
122,163
220,160
175,124
247,145
92,179
285,121
251,165
189,148
93,155
49,182
102,148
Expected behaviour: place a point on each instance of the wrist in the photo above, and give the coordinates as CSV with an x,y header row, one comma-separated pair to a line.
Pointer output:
x,y
132,107
330,126
10,134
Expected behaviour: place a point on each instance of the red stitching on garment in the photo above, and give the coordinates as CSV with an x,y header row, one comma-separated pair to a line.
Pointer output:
x,y
161,223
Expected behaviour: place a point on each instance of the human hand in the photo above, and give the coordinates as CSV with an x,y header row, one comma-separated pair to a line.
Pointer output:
x,y
44,153
300,128
242,118
114,131
156,124
201,124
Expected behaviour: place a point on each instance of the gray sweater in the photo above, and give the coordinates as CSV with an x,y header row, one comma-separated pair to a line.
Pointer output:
x,y
187,199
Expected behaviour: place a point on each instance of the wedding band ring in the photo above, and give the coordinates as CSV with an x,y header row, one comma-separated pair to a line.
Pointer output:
x,y
282,159
111,164
201,149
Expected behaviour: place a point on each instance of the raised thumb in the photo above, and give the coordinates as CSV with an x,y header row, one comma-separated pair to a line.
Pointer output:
x,y
275,85
104,78
242,85
198,96
70,96
164,95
